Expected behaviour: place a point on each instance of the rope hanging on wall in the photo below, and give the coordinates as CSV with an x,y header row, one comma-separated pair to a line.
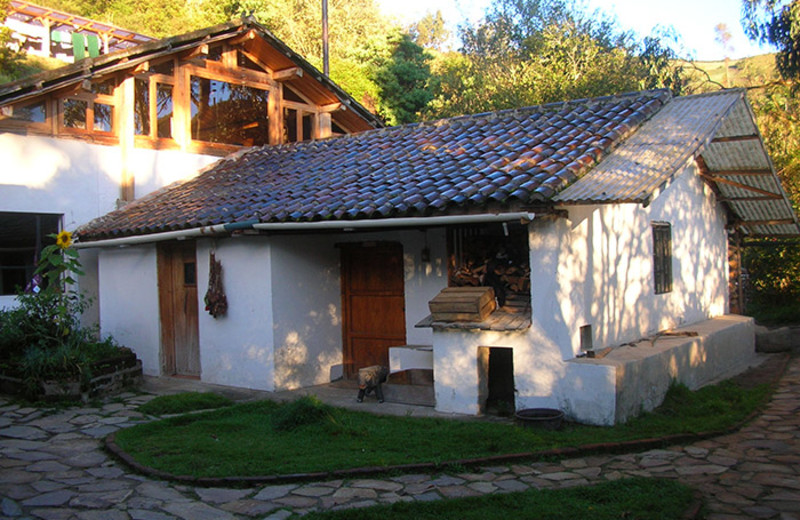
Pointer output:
x,y
215,299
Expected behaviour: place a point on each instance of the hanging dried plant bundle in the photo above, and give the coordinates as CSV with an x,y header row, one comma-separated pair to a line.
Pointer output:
x,y
215,299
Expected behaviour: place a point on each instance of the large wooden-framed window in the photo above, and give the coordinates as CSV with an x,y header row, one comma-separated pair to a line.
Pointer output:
x,y
153,105
662,257
225,111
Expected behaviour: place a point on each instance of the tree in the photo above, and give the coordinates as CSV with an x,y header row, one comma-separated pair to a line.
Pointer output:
x,y
9,57
430,31
403,81
776,22
528,52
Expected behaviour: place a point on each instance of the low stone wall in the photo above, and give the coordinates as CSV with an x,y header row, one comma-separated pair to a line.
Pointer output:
x,y
109,376
696,355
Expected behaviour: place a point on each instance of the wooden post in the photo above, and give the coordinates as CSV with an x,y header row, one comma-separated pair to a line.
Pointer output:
x,y
275,113
126,140
323,125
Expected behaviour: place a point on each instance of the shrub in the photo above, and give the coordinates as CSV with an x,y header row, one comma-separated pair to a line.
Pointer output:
x,y
42,338
307,410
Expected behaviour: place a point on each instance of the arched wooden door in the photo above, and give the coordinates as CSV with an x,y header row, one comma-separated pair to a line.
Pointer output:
x,y
373,303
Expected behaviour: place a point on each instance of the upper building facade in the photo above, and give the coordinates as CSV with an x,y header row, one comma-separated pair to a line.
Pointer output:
x,y
84,139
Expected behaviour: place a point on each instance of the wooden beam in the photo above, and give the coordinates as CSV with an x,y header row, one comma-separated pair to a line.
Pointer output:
x,y
287,74
749,199
742,172
127,191
776,222
323,125
275,114
332,107
738,185
735,138
243,38
200,50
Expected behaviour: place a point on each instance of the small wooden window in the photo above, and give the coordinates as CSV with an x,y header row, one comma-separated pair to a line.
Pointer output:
x,y
662,257
153,107
189,273
35,112
103,118
75,113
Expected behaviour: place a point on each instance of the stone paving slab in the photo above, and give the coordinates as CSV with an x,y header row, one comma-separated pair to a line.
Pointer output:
x,y
52,466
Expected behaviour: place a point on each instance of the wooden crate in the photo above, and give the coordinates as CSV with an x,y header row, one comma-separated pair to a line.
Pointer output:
x,y
463,304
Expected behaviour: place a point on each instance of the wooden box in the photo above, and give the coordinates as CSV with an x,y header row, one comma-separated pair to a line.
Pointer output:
x,y
463,304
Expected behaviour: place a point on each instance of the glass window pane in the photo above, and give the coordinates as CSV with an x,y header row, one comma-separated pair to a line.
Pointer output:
x,y
75,113
164,110
103,118
33,112
141,107
226,113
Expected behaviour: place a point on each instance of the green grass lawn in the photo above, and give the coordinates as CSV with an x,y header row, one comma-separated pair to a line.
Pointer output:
x,y
640,498
266,438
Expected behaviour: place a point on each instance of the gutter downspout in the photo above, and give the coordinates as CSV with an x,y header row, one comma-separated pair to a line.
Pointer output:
x,y
341,225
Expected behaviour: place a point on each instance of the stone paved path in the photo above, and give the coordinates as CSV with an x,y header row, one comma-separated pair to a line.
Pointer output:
x,y
52,466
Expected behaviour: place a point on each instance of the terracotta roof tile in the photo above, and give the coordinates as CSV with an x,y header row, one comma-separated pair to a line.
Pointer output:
x,y
514,157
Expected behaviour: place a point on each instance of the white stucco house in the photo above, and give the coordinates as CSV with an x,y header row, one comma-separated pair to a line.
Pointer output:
x,y
604,220
82,140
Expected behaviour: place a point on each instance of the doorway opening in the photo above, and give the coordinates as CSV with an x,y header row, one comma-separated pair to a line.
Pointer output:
x,y
496,380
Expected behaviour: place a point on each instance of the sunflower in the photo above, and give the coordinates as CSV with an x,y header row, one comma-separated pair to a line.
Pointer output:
x,y
64,239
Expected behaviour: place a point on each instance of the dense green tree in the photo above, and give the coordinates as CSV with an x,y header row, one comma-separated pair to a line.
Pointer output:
x,y
403,81
9,58
430,31
528,52
357,30
776,22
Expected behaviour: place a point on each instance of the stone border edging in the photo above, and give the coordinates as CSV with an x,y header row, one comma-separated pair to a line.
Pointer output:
x,y
429,467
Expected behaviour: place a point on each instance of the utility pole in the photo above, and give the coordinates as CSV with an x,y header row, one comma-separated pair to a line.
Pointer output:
x,y
326,69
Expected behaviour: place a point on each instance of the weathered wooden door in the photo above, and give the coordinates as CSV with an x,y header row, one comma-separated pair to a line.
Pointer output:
x,y
177,294
373,303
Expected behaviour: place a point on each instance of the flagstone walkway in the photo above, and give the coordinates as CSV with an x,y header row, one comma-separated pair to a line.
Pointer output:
x,y
53,466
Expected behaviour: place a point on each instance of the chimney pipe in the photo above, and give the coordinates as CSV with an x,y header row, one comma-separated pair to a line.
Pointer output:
x,y
326,69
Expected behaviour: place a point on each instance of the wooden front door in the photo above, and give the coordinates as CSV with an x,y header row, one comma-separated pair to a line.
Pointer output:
x,y
177,295
373,303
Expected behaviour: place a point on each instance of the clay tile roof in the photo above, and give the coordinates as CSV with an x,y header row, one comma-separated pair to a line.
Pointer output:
x,y
505,159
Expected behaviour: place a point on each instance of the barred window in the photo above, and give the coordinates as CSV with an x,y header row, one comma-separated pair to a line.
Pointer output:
x,y
662,257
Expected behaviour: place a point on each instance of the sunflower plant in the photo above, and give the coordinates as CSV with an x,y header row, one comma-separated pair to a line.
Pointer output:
x,y
42,339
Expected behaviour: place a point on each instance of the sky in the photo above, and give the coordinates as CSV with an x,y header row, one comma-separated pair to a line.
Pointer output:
x,y
693,20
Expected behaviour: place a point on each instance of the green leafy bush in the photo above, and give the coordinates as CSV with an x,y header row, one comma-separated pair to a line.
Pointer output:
x,y
42,339
307,410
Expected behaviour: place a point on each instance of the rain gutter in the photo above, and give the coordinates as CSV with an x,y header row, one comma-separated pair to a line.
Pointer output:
x,y
340,225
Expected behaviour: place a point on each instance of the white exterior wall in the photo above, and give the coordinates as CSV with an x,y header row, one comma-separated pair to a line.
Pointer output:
x,y
596,268
80,181
129,302
237,349
306,281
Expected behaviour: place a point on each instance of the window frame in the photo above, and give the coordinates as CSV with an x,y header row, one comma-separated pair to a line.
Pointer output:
x,y
662,257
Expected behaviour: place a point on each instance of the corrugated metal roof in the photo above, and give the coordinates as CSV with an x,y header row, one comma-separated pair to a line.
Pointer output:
x,y
717,128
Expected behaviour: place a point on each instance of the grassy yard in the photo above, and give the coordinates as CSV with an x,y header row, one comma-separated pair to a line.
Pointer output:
x,y
266,438
642,499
